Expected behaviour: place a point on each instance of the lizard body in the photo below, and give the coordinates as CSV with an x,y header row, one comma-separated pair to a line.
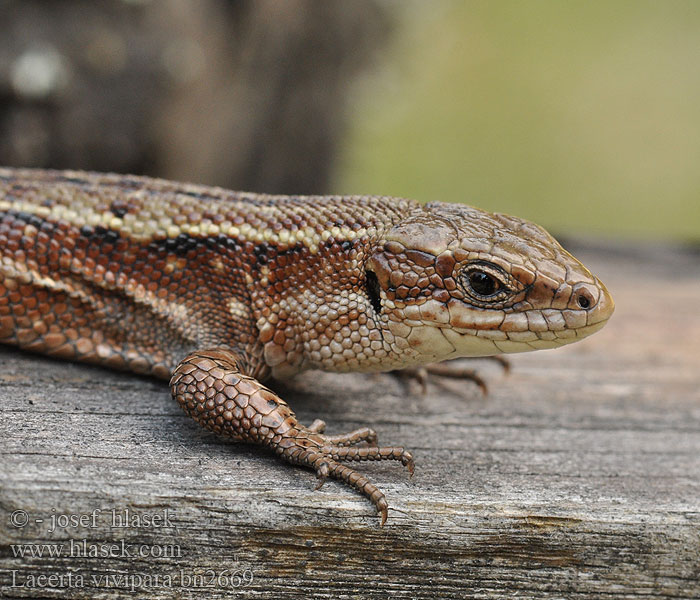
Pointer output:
x,y
218,290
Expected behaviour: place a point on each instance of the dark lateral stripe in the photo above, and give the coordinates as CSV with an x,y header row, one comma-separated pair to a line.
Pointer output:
x,y
182,245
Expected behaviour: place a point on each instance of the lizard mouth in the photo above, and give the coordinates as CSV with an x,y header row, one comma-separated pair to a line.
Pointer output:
x,y
469,342
462,330
441,334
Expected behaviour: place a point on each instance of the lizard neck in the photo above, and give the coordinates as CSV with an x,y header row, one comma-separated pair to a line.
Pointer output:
x,y
311,301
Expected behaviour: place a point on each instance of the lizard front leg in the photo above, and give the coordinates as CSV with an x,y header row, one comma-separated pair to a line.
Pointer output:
x,y
212,388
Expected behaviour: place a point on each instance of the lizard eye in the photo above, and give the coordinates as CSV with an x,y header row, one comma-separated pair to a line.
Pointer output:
x,y
483,283
487,283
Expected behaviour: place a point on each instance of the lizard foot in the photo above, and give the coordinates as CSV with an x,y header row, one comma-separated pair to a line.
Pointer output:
x,y
211,387
324,454
449,370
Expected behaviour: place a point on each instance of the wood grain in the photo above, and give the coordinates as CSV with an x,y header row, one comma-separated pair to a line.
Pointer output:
x,y
577,477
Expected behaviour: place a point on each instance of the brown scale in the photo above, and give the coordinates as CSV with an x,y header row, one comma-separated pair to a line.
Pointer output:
x,y
218,290
150,303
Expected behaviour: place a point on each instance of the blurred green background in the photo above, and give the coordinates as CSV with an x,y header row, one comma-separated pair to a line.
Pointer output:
x,y
582,116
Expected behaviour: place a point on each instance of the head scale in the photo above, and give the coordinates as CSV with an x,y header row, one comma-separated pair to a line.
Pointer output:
x,y
454,281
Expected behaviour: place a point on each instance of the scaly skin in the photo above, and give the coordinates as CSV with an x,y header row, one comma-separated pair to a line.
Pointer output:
x,y
219,290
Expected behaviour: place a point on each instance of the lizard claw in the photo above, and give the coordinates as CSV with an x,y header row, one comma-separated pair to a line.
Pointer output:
x,y
383,510
410,464
318,426
322,473
501,360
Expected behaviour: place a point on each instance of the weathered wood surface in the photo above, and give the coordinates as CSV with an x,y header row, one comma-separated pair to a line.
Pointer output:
x,y
577,477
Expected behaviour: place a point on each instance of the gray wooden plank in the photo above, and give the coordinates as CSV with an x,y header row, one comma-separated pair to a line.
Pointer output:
x,y
577,477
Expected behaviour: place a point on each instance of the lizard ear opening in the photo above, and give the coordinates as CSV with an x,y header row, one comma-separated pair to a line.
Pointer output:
x,y
372,285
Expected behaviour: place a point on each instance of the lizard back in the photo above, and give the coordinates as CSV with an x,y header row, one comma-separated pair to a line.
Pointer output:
x,y
133,272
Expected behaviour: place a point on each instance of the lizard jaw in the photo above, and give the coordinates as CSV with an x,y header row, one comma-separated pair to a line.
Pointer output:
x,y
437,331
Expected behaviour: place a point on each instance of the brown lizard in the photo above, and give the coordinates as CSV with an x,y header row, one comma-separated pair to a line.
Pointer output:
x,y
218,291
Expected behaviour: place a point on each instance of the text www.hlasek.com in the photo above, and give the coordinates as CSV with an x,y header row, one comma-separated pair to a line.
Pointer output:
x,y
86,549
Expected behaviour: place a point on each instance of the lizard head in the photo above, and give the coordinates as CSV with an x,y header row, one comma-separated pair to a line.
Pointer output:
x,y
454,281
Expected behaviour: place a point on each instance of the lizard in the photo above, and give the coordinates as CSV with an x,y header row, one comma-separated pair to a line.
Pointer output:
x,y
219,291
